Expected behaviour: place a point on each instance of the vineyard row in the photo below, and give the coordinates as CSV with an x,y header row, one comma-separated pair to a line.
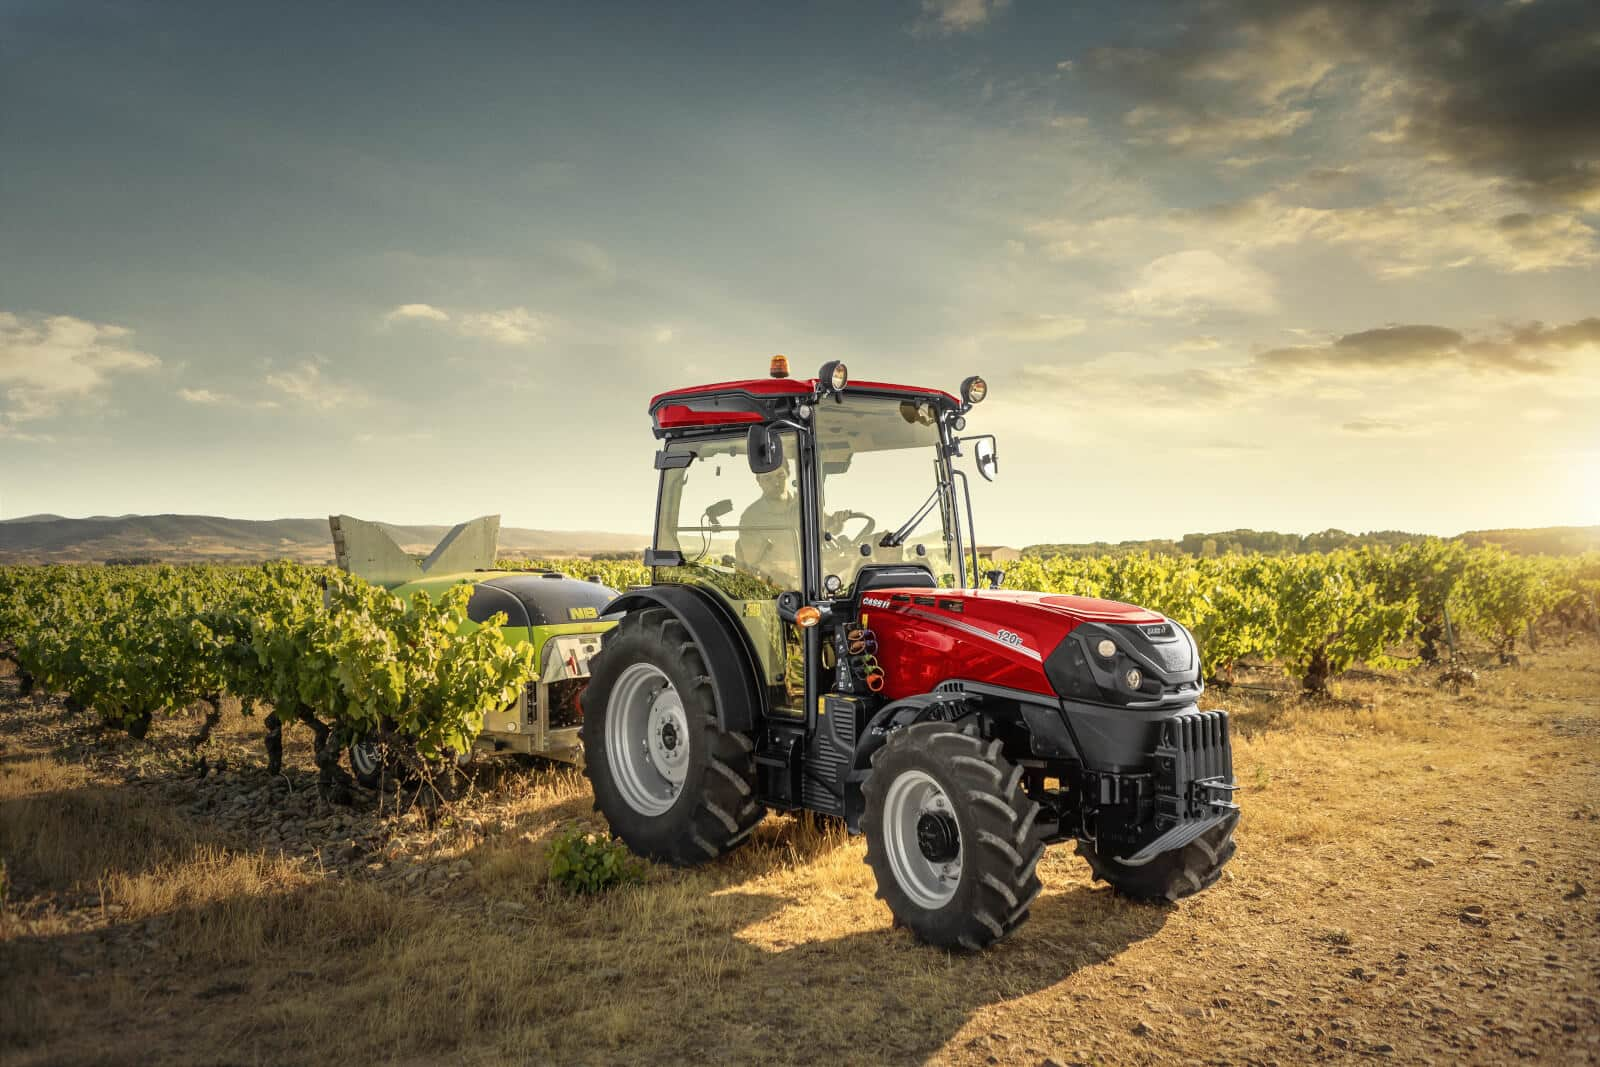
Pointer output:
x,y
347,660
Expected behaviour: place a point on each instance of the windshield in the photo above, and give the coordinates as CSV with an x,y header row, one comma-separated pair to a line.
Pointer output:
x,y
882,497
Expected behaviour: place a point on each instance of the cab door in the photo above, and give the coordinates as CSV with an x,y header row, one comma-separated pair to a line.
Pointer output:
x,y
739,535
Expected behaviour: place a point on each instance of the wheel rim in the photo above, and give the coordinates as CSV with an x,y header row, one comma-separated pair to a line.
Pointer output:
x,y
922,839
647,739
364,758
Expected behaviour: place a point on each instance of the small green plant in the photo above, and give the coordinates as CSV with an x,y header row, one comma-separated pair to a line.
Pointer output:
x,y
591,863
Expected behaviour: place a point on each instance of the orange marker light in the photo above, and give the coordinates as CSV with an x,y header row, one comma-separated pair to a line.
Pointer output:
x,y
780,367
808,616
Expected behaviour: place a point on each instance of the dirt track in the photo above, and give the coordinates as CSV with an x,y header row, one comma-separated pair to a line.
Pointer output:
x,y
1417,878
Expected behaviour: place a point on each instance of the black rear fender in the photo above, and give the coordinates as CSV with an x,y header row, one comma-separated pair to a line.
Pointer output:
x,y
741,701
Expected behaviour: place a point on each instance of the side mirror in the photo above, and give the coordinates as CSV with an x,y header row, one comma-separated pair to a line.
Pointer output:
x,y
995,578
765,449
983,454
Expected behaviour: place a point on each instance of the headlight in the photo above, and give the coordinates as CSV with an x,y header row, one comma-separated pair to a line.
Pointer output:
x,y
973,390
1106,648
833,376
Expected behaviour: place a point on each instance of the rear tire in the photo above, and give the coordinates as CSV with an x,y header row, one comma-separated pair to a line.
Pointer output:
x,y
951,836
1171,876
675,787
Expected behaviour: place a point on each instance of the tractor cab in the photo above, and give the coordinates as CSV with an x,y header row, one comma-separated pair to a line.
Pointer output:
x,y
776,494
815,637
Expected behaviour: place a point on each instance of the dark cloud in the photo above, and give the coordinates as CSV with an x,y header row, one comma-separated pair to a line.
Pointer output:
x,y
1503,89
1531,349
1510,90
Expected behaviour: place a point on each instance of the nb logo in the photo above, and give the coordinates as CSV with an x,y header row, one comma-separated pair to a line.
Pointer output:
x,y
1009,638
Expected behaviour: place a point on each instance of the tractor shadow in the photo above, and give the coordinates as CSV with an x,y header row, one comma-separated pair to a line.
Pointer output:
x,y
348,971
913,999
778,955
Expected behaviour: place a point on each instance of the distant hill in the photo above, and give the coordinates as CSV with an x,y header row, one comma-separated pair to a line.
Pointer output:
x,y
193,538
1549,540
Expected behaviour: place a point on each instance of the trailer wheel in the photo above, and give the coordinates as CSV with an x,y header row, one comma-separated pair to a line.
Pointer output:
x,y
368,762
673,785
950,836
1171,876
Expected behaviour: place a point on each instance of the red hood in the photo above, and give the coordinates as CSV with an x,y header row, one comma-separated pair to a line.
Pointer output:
x,y
1001,635
1076,608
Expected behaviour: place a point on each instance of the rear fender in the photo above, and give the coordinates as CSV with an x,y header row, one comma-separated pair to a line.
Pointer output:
x,y
741,701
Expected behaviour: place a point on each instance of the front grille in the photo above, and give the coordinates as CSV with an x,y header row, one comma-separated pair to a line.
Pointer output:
x,y
1194,764
1172,655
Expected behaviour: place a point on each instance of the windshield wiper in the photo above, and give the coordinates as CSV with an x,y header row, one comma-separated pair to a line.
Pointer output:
x,y
898,538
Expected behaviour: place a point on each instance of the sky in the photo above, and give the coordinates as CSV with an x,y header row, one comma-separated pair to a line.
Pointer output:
x,y
1243,263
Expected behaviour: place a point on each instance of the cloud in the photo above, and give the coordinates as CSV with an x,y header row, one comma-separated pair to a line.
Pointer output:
x,y
1503,90
1101,383
1414,379
946,17
1154,125
1532,349
45,361
419,312
1196,282
1374,426
514,326
511,326
1452,228
305,384
201,396
1026,328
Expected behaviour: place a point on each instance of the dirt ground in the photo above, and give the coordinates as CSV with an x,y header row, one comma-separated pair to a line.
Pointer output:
x,y
1418,878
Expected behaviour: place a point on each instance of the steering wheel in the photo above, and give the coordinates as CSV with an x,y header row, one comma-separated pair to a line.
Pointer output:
x,y
846,546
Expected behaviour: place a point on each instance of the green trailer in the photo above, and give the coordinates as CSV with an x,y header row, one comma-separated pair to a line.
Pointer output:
x,y
555,613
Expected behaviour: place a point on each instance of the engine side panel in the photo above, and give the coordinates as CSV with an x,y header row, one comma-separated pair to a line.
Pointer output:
x,y
923,641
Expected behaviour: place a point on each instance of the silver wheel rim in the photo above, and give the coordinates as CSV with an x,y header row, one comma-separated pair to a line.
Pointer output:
x,y
913,795
647,739
364,758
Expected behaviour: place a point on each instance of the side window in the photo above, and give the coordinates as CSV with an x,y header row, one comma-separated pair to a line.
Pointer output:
x,y
739,533
737,530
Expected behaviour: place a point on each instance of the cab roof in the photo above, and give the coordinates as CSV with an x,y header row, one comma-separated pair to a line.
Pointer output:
x,y
769,389
775,387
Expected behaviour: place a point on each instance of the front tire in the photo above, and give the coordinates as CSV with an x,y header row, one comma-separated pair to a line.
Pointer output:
x,y
950,836
675,787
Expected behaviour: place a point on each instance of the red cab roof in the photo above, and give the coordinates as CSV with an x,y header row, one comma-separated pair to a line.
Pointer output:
x,y
792,387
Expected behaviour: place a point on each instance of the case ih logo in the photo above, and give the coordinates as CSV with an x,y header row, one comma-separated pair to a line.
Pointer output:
x,y
875,602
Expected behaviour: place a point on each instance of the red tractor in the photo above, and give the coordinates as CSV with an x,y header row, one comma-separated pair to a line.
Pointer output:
x,y
810,641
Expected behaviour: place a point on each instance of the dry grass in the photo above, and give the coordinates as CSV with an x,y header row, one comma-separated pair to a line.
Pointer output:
x,y
1405,886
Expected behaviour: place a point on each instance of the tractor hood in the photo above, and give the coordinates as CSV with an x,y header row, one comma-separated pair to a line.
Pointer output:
x,y
1038,620
1075,608
1048,643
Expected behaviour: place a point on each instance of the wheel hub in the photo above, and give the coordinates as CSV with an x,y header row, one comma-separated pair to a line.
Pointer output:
x,y
647,739
922,839
666,735
938,837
